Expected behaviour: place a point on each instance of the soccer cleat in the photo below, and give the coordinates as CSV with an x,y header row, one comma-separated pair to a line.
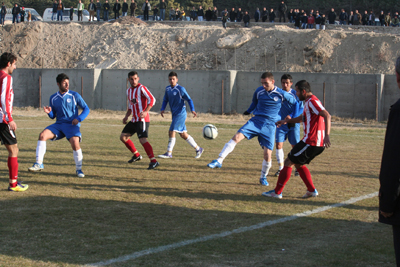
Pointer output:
x,y
199,152
37,167
277,173
80,173
134,158
214,164
153,165
296,173
272,194
311,194
166,155
18,188
263,181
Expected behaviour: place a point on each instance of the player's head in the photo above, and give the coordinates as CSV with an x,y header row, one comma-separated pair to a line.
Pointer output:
x,y
8,62
398,71
287,82
173,78
133,78
63,82
267,81
302,89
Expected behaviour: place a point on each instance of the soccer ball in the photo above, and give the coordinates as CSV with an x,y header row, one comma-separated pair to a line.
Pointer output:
x,y
210,132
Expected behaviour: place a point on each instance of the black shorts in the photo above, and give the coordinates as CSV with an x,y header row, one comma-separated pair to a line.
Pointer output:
x,y
139,127
7,135
303,153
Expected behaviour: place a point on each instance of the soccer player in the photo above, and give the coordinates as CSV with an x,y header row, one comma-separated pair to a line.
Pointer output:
x,y
290,131
317,127
8,63
176,95
64,107
140,102
266,103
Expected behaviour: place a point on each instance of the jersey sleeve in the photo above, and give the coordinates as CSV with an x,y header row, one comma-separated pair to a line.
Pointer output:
x,y
81,103
165,101
186,97
316,106
297,109
151,100
52,114
6,98
254,102
289,97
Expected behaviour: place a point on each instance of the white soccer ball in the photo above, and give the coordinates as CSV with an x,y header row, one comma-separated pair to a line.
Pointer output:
x,y
210,132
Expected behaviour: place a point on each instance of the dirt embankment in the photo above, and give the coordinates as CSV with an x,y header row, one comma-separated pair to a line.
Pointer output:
x,y
131,44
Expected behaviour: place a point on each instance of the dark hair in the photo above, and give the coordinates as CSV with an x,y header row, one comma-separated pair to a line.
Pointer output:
x,y
5,58
61,77
398,65
132,73
173,74
303,85
287,77
267,75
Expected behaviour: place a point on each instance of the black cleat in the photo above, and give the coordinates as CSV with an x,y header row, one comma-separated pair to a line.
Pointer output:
x,y
153,165
296,173
134,159
277,173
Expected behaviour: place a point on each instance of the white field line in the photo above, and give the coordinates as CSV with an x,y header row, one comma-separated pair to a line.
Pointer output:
x,y
154,250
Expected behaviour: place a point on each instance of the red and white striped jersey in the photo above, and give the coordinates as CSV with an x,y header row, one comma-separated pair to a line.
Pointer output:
x,y
139,98
313,123
7,97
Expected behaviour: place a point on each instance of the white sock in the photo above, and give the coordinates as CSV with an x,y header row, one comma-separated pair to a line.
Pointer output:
x,y
40,151
265,168
280,157
78,157
191,142
228,148
171,144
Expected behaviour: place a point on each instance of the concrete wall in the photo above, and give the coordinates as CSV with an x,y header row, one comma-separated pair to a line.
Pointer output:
x,y
346,95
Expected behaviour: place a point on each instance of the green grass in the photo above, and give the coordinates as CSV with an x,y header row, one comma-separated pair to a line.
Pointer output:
x,y
121,208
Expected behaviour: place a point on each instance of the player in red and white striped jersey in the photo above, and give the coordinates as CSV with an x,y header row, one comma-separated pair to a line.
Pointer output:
x,y
317,125
8,63
140,102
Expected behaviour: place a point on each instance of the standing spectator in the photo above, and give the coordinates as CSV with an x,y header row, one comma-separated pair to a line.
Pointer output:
x,y
92,10
257,15
246,19
232,15
239,15
297,19
54,14
117,8
124,8
332,16
200,13
29,16
146,8
215,14
3,13
15,11
304,21
371,19
60,10
224,19
291,16
388,19
282,12
71,13
343,17
98,9
264,15
323,22
272,15
80,9
133,8
365,18
312,13
351,18
310,21
382,18
318,20
357,18
193,14
155,13
162,6
106,10
209,14
22,14
389,198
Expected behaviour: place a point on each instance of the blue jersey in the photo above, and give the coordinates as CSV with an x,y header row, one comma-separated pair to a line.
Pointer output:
x,y
64,107
294,110
267,104
176,97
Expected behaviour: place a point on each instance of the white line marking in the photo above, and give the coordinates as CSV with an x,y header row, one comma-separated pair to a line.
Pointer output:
x,y
228,233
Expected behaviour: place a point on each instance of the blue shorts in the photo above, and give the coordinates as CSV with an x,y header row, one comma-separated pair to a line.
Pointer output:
x,y
261,127
292,134
62,130
178,123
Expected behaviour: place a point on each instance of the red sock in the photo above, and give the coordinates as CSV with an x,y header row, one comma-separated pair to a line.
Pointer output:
x,y
306,177
283,178
13,170
129,144
149,151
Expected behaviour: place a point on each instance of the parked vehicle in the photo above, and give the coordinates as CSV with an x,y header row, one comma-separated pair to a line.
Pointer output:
x,y
47,14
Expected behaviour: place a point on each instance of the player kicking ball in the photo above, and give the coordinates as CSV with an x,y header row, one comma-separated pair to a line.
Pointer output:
x,y
266,103
176,96
64,107
317,127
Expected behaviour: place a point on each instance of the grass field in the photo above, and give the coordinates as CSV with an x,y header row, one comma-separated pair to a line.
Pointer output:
x,y
119,209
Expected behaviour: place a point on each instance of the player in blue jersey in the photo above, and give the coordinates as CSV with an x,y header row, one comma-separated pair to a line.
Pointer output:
x,y
64,107
290,131
176,96
265,106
